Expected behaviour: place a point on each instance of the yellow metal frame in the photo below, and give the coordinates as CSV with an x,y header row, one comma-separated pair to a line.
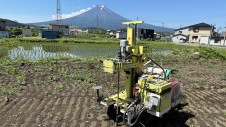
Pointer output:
x,y
113,65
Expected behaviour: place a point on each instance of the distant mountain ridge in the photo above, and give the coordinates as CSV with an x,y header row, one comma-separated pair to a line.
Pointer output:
x,y
11,23
101,17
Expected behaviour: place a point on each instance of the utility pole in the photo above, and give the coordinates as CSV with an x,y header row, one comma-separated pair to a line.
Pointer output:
x,y
224,38
98,24
211,32
162,30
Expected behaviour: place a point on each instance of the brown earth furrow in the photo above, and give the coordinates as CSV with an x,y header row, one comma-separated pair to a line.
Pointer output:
x,y
218,98
74,118
200,112
16,112
204,105
84,109
72,87
53,112
93,124
29,112
213,96
218,123
35,112
22,110
78,91
66,109
44,112
12,105
66,114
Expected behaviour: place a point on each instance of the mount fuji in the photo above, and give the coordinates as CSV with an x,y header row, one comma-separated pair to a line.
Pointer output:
x,y
102,17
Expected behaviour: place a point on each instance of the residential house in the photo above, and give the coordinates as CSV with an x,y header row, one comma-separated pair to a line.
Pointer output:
x,y
78,31
111,33
62,28
198,33
146,34
181,35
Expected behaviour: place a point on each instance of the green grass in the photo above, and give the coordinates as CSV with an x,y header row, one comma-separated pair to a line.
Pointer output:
x,y
100,43
6,90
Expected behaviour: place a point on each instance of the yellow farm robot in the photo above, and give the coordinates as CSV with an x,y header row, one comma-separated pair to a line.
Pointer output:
x,y
152,91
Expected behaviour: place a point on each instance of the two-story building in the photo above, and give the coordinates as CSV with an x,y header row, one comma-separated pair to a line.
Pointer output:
x,y
181,35
198,33
62,28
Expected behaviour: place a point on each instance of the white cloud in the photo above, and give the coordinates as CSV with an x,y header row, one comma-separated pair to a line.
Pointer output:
x,y
64,16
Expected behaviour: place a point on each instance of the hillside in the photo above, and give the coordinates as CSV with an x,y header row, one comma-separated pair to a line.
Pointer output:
x,y
11,23
102,17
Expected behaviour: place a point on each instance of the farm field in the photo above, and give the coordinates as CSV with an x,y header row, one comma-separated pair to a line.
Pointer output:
x,y
59,92
52,91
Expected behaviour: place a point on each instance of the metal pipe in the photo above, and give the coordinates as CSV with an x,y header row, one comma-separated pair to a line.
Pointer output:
x,y
132,104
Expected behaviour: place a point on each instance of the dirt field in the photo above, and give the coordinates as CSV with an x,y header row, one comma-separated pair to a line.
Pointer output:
x,y
60,94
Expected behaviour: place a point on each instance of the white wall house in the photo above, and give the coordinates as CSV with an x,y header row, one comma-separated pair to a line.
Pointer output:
x,y
197,33
181,35
217,41
121,35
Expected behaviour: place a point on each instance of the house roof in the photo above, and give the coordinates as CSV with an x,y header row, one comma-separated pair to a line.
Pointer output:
x,y
182,28
180,35
201,25
59,24
195,25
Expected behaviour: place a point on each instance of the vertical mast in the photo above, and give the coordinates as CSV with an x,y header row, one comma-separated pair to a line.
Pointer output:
x,y
59,14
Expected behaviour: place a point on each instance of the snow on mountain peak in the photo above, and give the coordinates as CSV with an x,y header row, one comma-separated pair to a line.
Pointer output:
x,y
75,13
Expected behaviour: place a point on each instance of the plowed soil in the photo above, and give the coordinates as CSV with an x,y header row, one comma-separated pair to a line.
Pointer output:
x,y
51,96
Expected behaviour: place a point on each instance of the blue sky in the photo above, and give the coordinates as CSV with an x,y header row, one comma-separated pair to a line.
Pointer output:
x,y
170,13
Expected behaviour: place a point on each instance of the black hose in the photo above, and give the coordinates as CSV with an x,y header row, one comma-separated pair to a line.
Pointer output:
x,y
133,55
135,122
164,78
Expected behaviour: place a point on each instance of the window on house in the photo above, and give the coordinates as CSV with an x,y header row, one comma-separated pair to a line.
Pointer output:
x,y
194,38
180,32
66,27
196,29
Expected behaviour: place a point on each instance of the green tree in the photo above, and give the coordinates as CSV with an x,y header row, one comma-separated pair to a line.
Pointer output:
x,y
15,31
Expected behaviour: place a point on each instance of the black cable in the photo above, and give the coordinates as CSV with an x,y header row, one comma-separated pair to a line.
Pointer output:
x,y
137,117
164,78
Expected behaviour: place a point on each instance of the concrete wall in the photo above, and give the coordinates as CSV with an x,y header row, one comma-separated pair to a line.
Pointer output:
x,y
26,32
218,43
61,28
